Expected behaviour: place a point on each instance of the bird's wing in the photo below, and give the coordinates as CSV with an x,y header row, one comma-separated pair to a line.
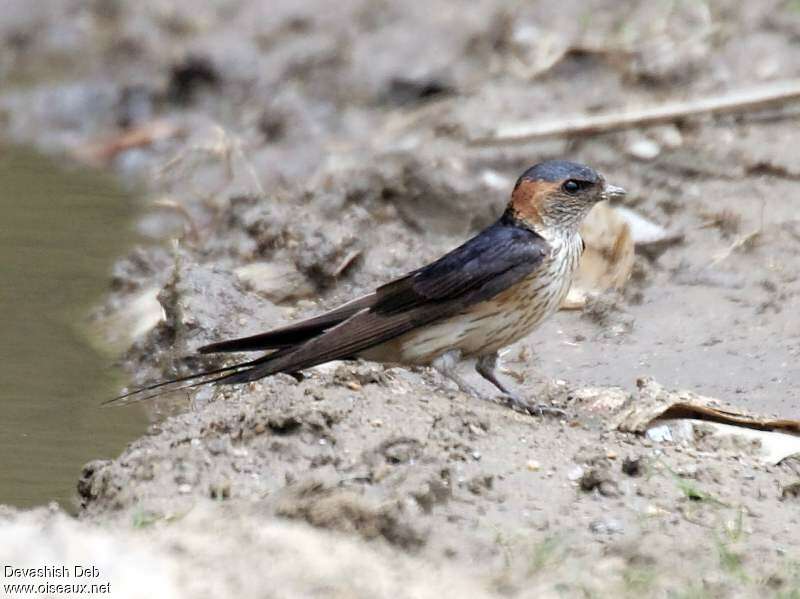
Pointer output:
x,y
473,272
294,333
484,266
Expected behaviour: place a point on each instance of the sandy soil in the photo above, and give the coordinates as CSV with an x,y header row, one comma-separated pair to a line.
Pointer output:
x,y
304,153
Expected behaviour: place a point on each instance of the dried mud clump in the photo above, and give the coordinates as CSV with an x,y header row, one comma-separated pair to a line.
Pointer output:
x,y
347,511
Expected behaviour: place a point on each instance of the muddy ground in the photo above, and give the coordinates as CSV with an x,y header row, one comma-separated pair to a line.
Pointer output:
x,y
298,154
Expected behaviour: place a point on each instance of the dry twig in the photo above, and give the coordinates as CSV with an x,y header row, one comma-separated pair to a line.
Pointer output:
x,y
735,101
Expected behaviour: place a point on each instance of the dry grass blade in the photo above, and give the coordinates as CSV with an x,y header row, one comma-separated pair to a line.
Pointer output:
x,y
745,241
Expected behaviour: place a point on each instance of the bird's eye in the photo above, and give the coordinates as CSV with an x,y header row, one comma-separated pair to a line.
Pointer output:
x,y
571,186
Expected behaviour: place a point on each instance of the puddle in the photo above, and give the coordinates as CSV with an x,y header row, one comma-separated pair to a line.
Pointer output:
x,y
60,230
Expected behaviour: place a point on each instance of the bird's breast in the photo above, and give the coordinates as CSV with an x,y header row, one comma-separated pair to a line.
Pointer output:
x,y
493,324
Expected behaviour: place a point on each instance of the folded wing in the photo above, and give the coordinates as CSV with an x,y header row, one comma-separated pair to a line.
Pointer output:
x,y
293,334
496,259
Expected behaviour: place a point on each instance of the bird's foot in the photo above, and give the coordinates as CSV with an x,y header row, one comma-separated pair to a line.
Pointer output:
x,y
486,366
520,404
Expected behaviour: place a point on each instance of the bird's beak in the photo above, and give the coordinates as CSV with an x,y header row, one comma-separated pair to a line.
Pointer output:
x,y
611,192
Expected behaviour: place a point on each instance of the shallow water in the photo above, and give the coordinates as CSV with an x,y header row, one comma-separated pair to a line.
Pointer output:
x,y
60,230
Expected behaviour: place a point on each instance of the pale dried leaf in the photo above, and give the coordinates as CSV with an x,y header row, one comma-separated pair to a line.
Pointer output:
x,y
608,258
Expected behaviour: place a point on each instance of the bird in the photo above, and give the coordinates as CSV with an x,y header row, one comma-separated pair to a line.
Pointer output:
x,y
477,299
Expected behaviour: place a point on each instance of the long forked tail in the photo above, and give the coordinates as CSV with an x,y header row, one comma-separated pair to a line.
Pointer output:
x,y
217,375
279,342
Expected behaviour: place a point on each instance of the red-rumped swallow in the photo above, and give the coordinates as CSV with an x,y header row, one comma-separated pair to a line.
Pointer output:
x,y
482,296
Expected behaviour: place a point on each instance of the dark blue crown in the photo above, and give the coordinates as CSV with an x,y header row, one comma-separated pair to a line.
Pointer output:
x,y
554,171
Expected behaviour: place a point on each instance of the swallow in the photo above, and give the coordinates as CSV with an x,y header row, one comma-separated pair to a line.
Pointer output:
x,y
484,295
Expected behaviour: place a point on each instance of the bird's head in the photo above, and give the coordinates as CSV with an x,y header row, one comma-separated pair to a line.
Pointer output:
x,y
557,194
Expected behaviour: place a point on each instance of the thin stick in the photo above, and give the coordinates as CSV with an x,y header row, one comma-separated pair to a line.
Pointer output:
x,y
736,101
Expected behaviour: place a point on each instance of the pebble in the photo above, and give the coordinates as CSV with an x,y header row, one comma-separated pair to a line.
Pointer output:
x,y
655,511
533,465
216,446
659,434
608,526
575,473
643,149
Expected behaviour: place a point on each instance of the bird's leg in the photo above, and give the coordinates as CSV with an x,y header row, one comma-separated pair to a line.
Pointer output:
x,y
486,366
447,364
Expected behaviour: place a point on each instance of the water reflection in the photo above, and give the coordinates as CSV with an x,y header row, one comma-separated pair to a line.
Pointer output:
x,y
60,230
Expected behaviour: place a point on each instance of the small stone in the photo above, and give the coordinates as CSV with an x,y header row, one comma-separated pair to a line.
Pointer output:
x,y
377,422
354,386
611,454
216,446
659,434
533,465
575,473
643,149
654,511
476,455
606,526
476,430
184,489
